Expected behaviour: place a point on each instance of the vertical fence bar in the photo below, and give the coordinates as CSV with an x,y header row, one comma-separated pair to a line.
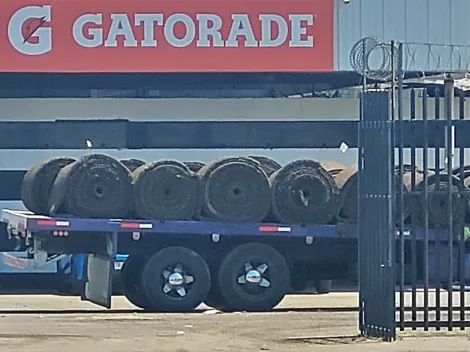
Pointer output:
x,y
426,214
401,202
437,166
414,215
462,219
361,253
449,107
379,276
390,245
365,273
375,223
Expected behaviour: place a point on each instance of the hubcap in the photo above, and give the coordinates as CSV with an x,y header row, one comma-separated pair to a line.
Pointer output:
x,y
177,281
254,277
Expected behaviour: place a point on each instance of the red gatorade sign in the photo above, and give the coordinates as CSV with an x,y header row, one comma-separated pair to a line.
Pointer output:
x,y
166,36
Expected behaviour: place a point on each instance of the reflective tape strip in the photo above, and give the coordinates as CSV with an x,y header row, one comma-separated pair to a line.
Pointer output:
x,y
135,225
53,223
62,223
268,228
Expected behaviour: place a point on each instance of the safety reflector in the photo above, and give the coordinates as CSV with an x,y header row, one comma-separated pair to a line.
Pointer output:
x,y
274,229
135,225
53,223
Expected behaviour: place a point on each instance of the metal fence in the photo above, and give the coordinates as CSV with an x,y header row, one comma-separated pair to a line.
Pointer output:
x,y
414,246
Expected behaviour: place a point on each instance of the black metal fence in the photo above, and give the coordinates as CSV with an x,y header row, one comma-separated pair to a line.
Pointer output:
x,y
414,245
376,264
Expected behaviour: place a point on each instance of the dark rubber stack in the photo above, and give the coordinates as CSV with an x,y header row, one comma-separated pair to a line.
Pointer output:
x,y
303,192
466,186
165,190
347,180
194,166
438,204
94,186
235,189
38,181
341,174
132,164
268,165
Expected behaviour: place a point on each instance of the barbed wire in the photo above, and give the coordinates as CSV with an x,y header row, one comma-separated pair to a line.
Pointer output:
x,y
439,58
374,58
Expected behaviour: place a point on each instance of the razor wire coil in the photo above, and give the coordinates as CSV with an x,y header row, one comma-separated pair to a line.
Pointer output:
x,y
374,59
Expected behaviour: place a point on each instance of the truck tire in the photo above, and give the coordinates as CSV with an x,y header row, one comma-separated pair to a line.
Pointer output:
x,y
214,298
323,286
131,282
176,279
253,277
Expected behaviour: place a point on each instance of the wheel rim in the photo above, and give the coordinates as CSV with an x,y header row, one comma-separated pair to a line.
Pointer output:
x,y
176,281
254,279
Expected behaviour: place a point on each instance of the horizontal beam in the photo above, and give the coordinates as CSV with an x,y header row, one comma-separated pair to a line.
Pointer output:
x,y
124,134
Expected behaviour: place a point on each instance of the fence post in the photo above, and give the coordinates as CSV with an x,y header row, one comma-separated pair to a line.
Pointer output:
x,y
376,225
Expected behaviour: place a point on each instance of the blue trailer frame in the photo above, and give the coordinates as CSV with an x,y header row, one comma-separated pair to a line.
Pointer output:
x,y
36,230
25,221
101,256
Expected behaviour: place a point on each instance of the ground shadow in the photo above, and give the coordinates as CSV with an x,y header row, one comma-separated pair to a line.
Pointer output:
x,y
329,340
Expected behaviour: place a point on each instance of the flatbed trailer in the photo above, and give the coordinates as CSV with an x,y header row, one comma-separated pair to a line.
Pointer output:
x,y
176,265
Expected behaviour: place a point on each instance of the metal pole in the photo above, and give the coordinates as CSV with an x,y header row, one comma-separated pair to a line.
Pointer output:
x,y
401,195
361,254
396,73
449,90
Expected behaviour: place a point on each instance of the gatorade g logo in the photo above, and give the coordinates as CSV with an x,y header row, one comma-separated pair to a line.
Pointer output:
x,y
26,30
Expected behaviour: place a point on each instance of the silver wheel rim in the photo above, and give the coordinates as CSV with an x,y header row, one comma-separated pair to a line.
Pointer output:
x,y
176,281
254,280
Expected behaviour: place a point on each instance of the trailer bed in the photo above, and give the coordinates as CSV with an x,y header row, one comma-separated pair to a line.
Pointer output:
x,y
21,223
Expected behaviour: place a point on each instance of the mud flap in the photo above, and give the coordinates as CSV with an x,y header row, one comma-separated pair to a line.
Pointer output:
x,y
99,273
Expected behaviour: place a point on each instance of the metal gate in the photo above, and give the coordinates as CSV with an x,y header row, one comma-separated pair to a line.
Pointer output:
x,y
414,204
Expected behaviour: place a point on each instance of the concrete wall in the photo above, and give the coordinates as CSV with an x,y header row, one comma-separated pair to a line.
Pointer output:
x,y
180,109
195,109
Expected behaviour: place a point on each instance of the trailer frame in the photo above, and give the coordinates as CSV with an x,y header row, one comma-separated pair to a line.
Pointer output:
x,y
304,247
102,239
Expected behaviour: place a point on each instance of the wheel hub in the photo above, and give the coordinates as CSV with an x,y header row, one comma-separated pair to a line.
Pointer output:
x,y
253,276
176,281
